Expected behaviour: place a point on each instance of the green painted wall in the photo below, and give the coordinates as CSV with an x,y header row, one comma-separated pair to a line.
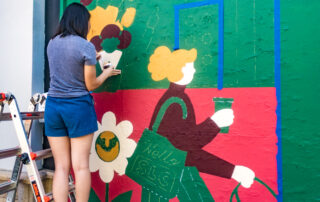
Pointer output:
x,y
249,62
248,25
300,71
248,41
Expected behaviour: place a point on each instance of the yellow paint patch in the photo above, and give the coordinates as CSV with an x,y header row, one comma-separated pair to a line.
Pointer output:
x,y
166,64
102,17
111,155
128,17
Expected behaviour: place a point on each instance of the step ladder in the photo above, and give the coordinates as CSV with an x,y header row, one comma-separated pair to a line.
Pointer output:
x,y
24,156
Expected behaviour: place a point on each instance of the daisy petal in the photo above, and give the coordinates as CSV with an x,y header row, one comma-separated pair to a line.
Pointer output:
x,y
108,121
106,174
120,165
127,147
93,162
124,128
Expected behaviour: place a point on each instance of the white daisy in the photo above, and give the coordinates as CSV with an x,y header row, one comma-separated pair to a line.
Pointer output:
x,y
111,147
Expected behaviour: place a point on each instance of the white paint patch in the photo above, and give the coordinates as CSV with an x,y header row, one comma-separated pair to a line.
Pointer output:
x,y
188,72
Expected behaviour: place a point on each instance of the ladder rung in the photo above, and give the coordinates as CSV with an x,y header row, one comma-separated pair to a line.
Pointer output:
x,y
50,196
71,189
42,154
9,152
7,186
24,116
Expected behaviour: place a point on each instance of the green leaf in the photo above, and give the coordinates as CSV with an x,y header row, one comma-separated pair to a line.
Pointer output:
x,y
125,197
93,196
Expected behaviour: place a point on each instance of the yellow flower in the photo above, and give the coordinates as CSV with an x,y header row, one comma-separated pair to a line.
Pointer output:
x,y
102,17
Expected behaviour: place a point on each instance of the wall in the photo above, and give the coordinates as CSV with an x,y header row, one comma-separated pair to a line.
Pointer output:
x,y
22,56
300,74
263,55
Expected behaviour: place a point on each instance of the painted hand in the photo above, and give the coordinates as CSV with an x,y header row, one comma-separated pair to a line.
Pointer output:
x,y
243,175
223,117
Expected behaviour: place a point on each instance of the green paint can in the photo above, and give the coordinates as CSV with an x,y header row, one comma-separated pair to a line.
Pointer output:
x,y
223,103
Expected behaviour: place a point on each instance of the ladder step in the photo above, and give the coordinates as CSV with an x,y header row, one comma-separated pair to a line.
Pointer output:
x,y
9,152
72,187
49,196
7,186
42,154
24,116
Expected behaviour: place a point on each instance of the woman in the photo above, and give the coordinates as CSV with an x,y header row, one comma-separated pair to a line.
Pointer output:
x,y
70,118
186,134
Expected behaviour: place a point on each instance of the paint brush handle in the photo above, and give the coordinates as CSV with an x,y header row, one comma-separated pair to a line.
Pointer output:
x,y
107,65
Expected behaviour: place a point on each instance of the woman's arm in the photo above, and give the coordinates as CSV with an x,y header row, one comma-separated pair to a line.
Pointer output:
x,y
92,82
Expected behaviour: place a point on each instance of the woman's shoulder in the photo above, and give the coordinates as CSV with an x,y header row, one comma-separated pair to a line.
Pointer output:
x,y
87,45
75,40
70,39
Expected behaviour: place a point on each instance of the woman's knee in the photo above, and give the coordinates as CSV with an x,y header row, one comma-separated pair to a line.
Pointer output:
x,y
80,167
62,168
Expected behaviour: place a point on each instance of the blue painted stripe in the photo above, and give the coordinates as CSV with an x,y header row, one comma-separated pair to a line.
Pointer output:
x,y
176,29
277,75
221,46
197,4
177,8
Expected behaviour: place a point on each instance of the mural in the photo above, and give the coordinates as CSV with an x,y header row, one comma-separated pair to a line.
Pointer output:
x,y
195,122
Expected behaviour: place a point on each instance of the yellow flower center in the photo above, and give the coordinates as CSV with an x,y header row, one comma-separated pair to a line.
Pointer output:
x,y
107,146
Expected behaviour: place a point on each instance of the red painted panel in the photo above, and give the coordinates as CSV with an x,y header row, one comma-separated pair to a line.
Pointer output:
x,y
251,140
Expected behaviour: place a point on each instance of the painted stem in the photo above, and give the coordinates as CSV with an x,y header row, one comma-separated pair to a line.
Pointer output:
x,y
107,193
261,182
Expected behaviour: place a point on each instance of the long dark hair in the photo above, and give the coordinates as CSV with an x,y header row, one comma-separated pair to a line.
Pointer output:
x,y
74,21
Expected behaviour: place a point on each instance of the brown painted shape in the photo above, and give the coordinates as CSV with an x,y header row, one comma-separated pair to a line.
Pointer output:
x,y
110,31
187,135
210,164
125,39
97,42
86,2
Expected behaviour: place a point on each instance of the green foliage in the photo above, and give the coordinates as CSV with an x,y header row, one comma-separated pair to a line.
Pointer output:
x,y
110,45
125,197
93,196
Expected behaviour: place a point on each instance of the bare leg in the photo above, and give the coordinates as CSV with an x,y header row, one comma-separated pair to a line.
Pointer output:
x,y
80,150
60,147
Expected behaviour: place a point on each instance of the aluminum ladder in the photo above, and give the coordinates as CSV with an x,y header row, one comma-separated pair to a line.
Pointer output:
x,y
24,155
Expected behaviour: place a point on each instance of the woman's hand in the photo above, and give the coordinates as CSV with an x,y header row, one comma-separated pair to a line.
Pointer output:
x,y
92,82
98,56
111,71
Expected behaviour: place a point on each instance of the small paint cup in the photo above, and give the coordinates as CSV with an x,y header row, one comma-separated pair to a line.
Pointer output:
x,y
223,103
107,65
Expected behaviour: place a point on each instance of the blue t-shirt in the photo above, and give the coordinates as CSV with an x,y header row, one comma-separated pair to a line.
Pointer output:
x,y
67,57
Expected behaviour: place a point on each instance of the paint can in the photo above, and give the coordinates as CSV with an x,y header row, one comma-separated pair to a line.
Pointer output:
x,y
223,103
107,65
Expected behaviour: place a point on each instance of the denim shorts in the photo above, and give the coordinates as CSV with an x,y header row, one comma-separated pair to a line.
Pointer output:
x,y
72,117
